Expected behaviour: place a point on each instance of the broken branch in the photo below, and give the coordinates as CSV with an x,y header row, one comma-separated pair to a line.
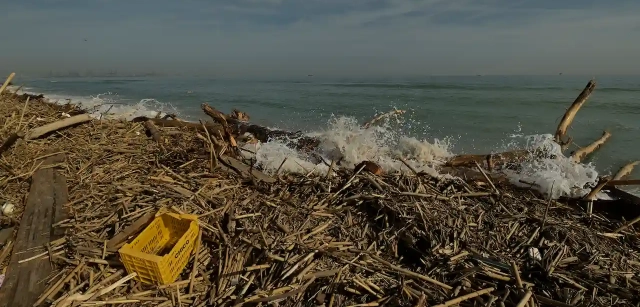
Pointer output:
x,y
581,153
55,126
570,114
7,82
380,117
153,131
623,172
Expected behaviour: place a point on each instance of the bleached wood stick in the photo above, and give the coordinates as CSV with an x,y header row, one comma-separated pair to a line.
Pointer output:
x,y
55,126
625,170
585,151
570,114
6,83
380,117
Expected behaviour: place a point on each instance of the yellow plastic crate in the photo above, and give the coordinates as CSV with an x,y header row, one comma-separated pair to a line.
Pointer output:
x,y
162,250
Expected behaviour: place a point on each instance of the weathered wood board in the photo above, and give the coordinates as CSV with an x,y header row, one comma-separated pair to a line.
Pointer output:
x,y
24,282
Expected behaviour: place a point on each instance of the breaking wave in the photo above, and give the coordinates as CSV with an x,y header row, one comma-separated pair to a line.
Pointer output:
x,y
109,105
555,175
386,144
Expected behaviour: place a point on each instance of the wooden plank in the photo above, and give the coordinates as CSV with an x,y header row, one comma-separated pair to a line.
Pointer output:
x,y
23,282
130,230
61,197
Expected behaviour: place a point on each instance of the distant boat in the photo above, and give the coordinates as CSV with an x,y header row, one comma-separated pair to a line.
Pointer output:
x,y
309,75
560,74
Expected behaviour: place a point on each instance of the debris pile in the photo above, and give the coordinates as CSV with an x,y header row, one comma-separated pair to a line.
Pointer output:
x,y
353,237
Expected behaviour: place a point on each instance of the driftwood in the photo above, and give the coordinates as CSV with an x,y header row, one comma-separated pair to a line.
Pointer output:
x,y
380,117
218,116
568,117
213,128
625,170
221,118
623,182
55,126
7,82
153,131
130,230
581,153
602,182
341,240
263,134
27,269
492,161
239,115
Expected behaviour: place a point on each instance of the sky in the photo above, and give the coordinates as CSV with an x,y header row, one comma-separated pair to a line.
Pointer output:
x,y
322,37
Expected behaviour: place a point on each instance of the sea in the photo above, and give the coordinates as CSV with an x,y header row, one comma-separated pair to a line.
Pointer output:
x,y
445,116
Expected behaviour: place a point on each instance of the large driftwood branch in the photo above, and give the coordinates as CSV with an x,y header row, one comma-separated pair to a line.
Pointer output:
x,y
581,153
263,134
221,118
380,117
625,170
55,126
570,114
218,116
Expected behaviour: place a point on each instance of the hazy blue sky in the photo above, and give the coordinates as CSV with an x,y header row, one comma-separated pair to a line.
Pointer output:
x,y
330,37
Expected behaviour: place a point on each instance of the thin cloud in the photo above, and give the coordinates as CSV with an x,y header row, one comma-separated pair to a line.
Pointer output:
x,y
331,37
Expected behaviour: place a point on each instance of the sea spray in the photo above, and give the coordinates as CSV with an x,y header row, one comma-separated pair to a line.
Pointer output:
x,y
108,105
555,175
345,140
552,174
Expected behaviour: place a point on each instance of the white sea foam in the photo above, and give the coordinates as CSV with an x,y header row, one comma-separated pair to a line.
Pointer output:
x,y
555,175
344,138
107,105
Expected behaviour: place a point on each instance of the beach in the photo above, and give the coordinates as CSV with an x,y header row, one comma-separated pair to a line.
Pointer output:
x,y
398,231
320,154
